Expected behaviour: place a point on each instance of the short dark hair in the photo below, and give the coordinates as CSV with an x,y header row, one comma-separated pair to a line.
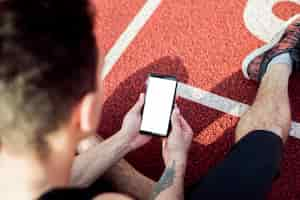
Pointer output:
x,y
48,59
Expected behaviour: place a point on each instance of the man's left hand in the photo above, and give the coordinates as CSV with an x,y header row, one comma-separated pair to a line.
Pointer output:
x,y
132,123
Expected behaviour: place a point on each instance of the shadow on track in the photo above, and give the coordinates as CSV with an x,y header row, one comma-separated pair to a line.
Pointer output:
x,y
202,157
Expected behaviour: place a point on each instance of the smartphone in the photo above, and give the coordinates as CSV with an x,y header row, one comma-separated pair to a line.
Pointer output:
x,y
159,103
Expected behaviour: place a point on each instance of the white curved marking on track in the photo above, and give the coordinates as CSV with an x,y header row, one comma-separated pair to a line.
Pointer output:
x,y
260,20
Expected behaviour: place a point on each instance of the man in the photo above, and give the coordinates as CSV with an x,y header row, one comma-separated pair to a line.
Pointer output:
x,y
51,100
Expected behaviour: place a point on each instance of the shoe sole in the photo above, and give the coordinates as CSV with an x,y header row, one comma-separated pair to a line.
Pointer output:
x,y
266,47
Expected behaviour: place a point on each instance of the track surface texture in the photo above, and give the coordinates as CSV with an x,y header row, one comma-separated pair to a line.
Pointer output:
x,y
203,43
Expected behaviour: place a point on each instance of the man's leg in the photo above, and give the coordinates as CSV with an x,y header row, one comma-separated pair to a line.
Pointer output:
x,y
254,161
250,167
124,177
271,109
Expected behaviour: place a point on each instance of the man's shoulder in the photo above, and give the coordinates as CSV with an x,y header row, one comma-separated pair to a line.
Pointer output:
x,y
112,196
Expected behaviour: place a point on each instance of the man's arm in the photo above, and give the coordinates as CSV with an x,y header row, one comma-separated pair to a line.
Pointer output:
x,y
90,165
171,184
112,196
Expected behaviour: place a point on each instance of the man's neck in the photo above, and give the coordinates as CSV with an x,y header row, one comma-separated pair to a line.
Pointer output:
x,y
22,177
28,175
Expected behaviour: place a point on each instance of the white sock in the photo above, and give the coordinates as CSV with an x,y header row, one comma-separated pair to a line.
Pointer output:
x,y
284,58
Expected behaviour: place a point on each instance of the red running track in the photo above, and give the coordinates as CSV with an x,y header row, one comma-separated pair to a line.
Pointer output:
x,y
203,43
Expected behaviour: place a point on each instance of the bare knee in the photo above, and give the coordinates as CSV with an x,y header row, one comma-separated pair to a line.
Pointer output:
x,y
279,125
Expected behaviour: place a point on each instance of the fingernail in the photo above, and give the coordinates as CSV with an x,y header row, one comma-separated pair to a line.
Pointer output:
x,y
177,111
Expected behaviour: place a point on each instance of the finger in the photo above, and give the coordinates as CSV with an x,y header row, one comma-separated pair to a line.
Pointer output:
x,y
139,104
185,125
179,115
176,106
164,143
175,118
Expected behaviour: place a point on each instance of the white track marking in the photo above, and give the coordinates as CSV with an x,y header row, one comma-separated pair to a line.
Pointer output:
x,y
211,100
128,35
222,104
260,20
197,95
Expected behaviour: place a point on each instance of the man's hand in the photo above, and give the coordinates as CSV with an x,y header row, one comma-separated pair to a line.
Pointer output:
x,y
176,146
103,156
175,150
132,123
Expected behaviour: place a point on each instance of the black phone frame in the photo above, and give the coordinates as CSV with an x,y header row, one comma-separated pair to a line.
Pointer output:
x,y
169,77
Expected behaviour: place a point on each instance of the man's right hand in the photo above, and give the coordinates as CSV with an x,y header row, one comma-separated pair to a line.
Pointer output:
x,y
176,146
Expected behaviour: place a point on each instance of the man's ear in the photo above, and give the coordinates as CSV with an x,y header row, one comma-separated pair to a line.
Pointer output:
x,y
90,113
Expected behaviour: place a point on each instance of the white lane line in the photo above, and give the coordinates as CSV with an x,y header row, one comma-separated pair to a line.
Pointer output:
x,y
128,35
211,100
222,104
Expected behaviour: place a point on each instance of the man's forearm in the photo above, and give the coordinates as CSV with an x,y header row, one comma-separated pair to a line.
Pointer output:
x,y
90,165
171,183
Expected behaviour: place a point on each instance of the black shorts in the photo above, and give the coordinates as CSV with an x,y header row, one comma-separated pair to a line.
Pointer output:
x,y
246,173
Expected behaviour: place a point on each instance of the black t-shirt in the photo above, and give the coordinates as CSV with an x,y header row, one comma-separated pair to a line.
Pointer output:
x,y
65,194
98,187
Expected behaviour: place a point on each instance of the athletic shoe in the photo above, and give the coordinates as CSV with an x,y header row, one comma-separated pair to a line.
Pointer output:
x,y
286,41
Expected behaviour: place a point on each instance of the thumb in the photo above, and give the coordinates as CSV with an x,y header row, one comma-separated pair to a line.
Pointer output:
x,y
164,143
139,104
185,125
175,118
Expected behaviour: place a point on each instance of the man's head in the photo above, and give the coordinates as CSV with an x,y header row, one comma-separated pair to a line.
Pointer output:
x,y
48,60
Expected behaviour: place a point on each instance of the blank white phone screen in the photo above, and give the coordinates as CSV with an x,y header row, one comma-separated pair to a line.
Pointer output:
x,y
158,105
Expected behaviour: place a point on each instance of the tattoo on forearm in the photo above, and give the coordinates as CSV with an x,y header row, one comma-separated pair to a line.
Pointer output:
x,y
165,181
